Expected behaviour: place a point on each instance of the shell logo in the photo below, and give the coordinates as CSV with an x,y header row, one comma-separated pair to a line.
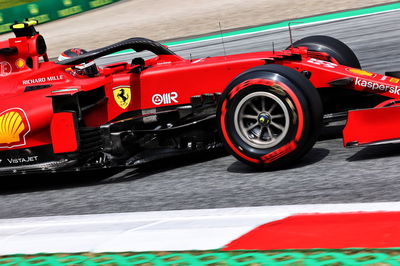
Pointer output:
x,y
20,63
14,126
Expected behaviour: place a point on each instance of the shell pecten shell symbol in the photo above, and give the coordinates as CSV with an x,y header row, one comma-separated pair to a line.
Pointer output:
x,y
11,127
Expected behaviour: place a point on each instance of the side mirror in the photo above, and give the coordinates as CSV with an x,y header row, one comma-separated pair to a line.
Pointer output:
x,y
25,28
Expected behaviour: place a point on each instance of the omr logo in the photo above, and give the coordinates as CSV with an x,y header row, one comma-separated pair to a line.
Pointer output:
x,y
165,98
14,126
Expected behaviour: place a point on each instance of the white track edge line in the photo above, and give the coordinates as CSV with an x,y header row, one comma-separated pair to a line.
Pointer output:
x,y
217,213
205,229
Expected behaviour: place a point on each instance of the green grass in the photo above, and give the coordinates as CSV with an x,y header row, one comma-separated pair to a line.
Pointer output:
x,y
381,257
7,3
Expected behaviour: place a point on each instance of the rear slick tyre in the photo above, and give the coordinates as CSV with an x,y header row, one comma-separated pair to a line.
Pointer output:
x,y
333,47
269,116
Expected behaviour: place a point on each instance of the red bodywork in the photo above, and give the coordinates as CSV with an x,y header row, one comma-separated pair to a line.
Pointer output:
x,y
29,84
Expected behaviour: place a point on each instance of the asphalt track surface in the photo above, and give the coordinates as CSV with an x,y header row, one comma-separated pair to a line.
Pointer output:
x,y
328,174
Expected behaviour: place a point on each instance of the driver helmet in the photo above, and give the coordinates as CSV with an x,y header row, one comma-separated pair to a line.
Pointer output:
x,y
85,69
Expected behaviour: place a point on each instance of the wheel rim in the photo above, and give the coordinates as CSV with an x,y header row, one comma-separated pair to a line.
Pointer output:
x,y
261,120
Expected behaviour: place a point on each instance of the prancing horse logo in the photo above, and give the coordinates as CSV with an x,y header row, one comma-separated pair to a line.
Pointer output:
x,y
122,96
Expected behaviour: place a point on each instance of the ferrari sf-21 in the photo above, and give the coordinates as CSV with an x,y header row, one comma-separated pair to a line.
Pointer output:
x,y
267,108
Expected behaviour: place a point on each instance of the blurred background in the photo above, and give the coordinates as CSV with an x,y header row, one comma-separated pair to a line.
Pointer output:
x,y
109,21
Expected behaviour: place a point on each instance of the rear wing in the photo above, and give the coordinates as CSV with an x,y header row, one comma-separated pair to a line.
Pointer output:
x,y
136,44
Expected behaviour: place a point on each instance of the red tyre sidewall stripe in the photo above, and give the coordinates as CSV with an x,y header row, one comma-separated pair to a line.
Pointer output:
x,y
227,139
300,114
251,82
268,83
282,151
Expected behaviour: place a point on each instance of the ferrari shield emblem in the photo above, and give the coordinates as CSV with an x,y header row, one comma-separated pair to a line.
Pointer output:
x,y
122,96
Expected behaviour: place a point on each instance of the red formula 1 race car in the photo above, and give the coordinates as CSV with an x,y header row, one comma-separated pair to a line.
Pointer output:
x,y
266,107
